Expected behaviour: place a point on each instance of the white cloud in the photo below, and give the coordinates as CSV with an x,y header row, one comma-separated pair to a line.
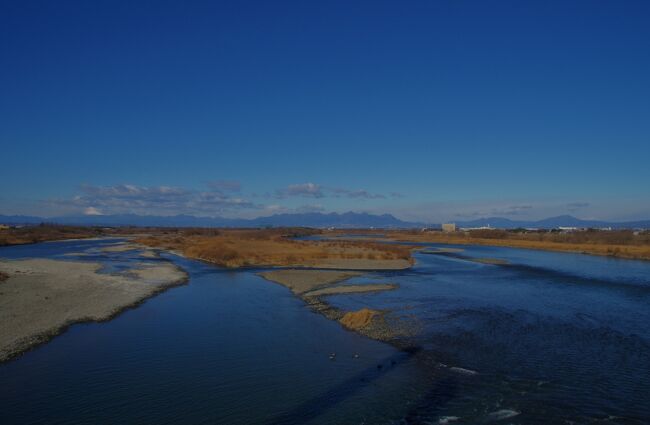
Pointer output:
x,y
92,211
312,190
153,200
306,190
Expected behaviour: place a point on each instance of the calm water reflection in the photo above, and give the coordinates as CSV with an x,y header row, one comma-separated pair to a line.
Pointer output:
x,y
548,338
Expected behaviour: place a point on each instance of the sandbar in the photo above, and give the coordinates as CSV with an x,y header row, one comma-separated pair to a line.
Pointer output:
x,y
313,287
42,297
122,247
361,264
303,281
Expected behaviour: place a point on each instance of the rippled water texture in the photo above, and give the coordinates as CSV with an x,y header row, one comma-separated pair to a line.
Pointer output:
x,y
543,338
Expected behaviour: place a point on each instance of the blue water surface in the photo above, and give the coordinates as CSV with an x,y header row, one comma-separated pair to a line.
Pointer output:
x,y
544,338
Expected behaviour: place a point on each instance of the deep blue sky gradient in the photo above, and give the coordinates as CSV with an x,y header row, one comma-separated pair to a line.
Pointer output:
x,y
469,103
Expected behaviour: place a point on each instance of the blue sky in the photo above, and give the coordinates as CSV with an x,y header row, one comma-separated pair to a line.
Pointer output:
x,y
431,110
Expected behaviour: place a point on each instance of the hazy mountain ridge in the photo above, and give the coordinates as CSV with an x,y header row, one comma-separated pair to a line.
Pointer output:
x,y
320,220
345,220
552,222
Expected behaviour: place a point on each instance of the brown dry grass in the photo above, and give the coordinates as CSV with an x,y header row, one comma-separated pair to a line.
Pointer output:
x,y
623,244
358,319
45,232
273,247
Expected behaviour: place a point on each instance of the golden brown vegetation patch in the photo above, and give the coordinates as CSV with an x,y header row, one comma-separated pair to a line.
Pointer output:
x,y
623,243
45,232
276,247
358,319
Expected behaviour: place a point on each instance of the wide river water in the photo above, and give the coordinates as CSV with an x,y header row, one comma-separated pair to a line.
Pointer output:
x,y
548,338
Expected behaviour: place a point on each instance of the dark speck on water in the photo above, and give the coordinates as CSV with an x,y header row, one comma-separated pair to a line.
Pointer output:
x,y
535,338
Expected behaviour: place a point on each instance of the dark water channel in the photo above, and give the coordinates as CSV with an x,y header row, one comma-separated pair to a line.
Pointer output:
x,y
546,338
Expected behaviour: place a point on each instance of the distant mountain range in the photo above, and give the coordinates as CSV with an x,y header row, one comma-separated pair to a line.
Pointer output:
x,y
320,220
552,222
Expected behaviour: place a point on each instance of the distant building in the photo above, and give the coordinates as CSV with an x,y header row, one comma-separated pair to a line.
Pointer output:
x,y
3,227
568,229
449,227
430,229
467,229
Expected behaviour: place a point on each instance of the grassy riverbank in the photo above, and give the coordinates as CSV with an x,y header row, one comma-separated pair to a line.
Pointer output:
x,y
620,244
45,233
277,247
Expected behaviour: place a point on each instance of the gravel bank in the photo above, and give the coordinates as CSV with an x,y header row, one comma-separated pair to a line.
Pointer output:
x,y
313,287
41,297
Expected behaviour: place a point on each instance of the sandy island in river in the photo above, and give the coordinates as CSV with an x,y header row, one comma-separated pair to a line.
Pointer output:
x,y
121,247
236,248
303,281
312,286
286,247
39,298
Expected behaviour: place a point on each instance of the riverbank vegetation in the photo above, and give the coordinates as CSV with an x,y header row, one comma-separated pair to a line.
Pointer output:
x,y
278,247
615,243
45,232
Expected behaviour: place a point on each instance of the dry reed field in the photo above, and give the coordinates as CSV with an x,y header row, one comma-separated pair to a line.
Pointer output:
x,y
45,232
618,243
269,247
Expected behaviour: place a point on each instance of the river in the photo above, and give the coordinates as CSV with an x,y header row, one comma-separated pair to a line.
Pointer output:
x,y
541,338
